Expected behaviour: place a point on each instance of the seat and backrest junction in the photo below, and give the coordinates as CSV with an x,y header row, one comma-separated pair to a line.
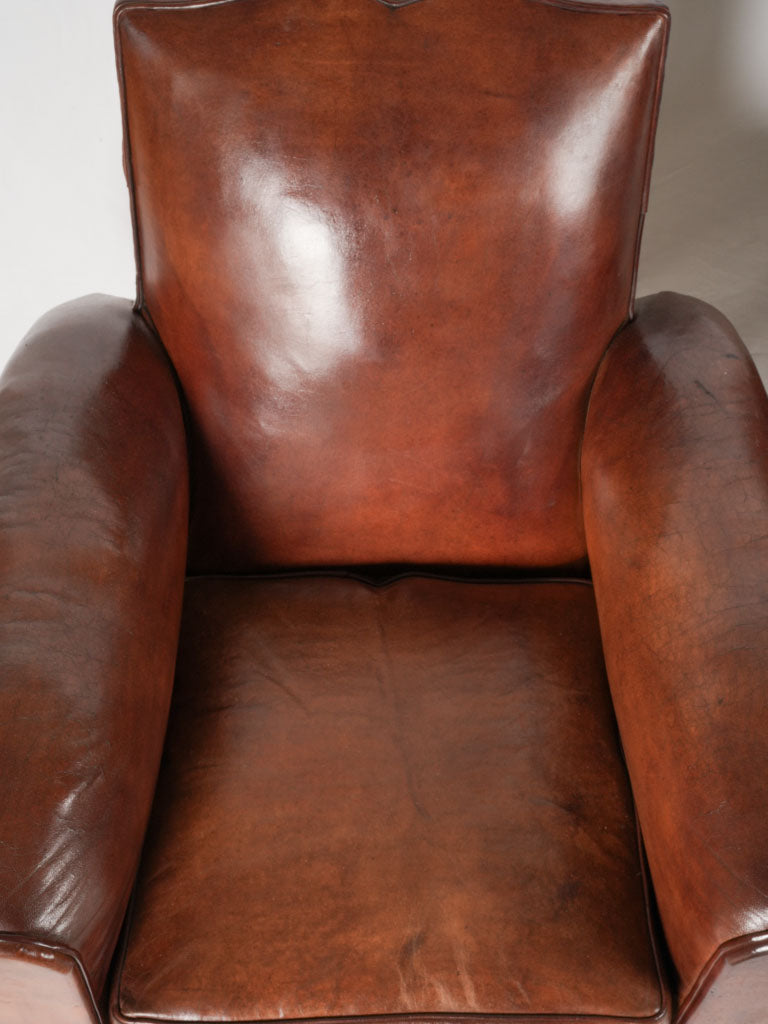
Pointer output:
x,y
385,247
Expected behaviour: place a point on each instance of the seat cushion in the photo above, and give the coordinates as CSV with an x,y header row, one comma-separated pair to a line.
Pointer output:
x,y
404,799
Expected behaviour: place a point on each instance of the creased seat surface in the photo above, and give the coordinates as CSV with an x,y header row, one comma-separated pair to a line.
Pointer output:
x,y
395,800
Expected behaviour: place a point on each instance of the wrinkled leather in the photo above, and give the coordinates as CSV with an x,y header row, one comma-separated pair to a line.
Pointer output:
x,y
93,512
385,249
395,800
675,471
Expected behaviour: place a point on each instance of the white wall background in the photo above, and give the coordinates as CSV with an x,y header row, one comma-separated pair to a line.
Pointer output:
x,y
65,225
64,218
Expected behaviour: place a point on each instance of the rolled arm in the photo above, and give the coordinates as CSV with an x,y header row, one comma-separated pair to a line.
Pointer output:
x,y
675,485
93,524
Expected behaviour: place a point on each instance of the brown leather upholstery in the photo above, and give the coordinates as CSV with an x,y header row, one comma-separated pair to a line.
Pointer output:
x,y
676,510
390,249
385,250
93,506
396,800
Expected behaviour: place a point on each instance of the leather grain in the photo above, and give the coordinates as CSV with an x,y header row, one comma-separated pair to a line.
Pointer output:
x,y
397,800
93,511
675,470
385,249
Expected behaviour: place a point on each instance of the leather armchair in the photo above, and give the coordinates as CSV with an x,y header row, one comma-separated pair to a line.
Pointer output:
x,y
383,596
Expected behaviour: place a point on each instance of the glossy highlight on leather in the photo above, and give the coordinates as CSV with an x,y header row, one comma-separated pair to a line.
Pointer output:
x,y
385,249
93,477
390,251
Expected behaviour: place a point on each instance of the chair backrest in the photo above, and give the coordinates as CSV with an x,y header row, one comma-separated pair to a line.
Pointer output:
x,y
385,245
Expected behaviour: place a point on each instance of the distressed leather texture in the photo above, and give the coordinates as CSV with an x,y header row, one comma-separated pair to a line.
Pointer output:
x,y
385,250
424,804
93,525
675,504
386,257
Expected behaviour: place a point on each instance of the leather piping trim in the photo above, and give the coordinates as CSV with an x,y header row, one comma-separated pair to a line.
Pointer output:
x,y
658,9
664,1010
120,8
580,453
138,305
407,1018
664,13
186,414
610,6
162,5
660,1015
729,953
651,7
65,952
386,581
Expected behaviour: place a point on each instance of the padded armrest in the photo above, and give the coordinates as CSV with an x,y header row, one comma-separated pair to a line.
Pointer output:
x,y
93,527
675,481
